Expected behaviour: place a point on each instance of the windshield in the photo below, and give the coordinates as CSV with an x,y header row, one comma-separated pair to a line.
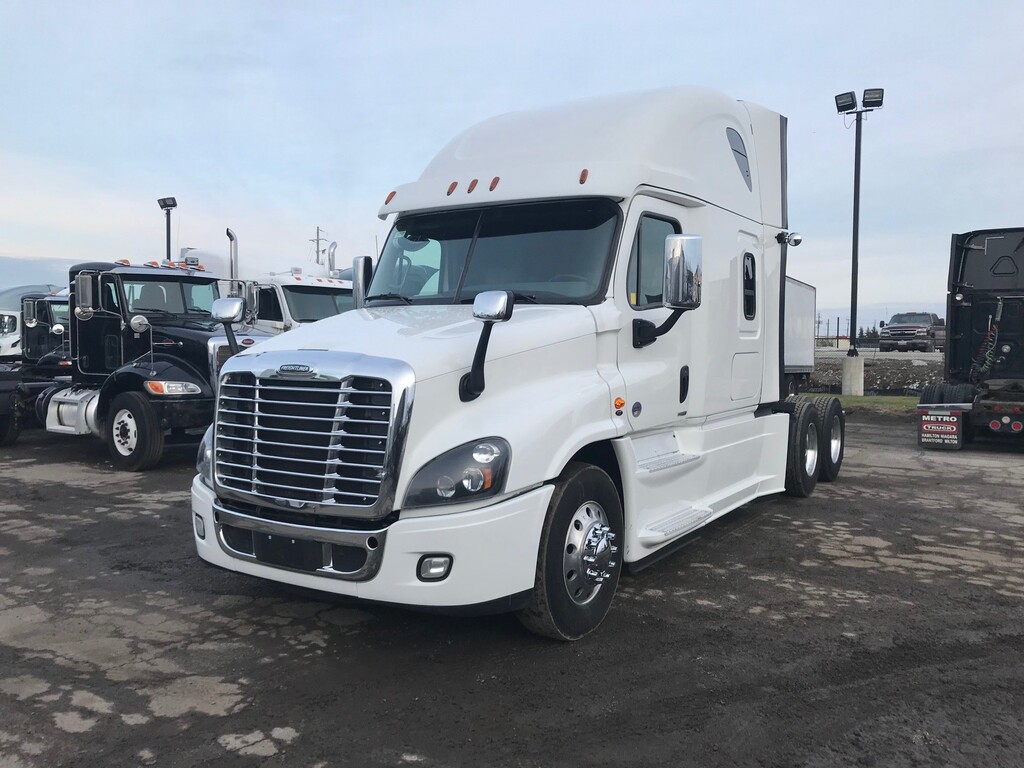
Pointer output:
x,y
308,304
911,318
60,312
553,252
169,297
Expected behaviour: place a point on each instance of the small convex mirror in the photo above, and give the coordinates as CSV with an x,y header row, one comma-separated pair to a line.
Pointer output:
x,y
57,329
139,324
683,271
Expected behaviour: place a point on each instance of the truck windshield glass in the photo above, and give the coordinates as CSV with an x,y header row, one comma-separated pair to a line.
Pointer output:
x,y
169,297
911,318
553,252
308,304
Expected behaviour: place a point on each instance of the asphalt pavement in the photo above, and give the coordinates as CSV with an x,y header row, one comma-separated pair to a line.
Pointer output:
x,y
878,623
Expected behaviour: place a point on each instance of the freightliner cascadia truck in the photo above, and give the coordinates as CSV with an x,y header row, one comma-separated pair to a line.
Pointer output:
x,y
568,358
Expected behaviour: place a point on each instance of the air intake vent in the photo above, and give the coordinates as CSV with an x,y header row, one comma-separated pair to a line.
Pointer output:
x,y
296,442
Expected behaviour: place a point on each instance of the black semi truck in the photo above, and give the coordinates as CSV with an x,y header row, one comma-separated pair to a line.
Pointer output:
x,y
983,387
142,359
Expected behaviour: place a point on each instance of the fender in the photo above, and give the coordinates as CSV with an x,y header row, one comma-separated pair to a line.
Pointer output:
x,y
161,367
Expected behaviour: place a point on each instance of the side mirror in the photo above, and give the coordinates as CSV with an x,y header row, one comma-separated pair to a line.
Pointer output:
x,y
493,306
489,307
684,264
28,313
85,302
228,310
57,329
362,273
139,324
881,323
252,301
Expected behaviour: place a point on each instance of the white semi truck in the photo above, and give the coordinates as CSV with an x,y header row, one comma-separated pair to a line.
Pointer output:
x,y
569,358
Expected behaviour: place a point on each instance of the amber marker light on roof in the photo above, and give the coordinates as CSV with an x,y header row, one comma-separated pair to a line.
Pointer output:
x,y
494,182
472,186
452,186
583,176
390,197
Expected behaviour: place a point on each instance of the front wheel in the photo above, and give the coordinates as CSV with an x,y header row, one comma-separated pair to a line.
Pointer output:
x,y
580,556
133,433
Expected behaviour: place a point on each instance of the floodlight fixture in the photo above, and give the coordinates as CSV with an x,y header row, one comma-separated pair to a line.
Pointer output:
x,y
872,98
846,102
166,203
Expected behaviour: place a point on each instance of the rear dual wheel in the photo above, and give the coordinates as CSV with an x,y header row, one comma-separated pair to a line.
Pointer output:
x,y
831,437
804,449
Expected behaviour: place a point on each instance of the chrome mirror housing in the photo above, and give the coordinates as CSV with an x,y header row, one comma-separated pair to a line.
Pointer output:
x,y
493,306
139,324
57,329
228,310
684,263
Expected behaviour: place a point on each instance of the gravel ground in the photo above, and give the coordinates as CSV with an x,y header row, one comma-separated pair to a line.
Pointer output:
x,y
878,623
884,372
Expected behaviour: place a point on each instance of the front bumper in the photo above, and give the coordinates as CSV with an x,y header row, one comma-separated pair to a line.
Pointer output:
x,y
494,553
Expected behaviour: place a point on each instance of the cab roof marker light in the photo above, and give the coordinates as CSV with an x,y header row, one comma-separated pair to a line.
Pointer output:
x,y
583,176
494,182
472,186
390,197
152,264
452,186
123,262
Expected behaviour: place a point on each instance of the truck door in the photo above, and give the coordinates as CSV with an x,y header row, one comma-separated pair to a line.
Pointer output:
x,y
657,376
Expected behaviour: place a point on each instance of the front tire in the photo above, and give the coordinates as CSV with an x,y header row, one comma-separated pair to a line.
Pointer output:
x,y
580,556
133,433
804,450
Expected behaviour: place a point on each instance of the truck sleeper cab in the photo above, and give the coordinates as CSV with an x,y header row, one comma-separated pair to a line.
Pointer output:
x,y
286,301
568,358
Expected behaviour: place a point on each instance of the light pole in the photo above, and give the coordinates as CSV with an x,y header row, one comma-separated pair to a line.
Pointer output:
x,y
168,204
847,102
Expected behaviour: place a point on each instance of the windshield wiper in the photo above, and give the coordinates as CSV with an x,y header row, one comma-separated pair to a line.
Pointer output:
x,y
398,296
529,298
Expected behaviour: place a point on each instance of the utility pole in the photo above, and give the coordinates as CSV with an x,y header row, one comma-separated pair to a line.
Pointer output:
x,y
317,241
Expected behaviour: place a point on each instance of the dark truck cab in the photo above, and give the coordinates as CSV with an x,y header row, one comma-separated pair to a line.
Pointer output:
x,y
983,390
45,359
905,331
144,352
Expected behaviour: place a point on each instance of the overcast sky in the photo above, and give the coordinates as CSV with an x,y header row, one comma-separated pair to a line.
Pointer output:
x,y
273,118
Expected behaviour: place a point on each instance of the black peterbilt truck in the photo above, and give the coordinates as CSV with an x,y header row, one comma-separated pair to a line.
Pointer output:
x,y
983,387
144,352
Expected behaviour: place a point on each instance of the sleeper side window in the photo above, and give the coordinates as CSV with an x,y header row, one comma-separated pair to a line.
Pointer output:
x,y
646,273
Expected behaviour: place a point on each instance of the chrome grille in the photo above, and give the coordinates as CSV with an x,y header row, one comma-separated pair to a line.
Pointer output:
x,y
220,357
302,442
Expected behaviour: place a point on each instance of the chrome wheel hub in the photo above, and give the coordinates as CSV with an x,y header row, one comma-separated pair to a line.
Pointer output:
x,y
811,457
836,441
589,557
126,433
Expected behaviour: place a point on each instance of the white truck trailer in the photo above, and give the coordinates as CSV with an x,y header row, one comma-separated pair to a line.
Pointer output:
x,y
435,448
799,334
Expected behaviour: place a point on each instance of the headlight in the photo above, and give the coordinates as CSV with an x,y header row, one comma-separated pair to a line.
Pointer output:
x,y
8,324
884,332
472,471
204,458
921,332
172,388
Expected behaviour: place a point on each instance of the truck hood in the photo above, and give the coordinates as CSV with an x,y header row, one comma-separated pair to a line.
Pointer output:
x,y
432,339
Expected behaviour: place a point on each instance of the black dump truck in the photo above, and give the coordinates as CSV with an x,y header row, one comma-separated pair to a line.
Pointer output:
x,y
983,388
140,362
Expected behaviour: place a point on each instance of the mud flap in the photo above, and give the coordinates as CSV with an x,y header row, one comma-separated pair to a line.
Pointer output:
x,y
941,428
